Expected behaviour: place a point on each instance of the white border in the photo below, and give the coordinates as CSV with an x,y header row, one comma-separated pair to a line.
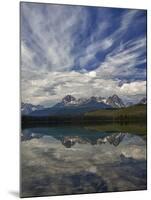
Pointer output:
x,y
9,99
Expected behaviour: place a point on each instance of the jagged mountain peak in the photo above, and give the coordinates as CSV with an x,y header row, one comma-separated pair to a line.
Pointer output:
x,y
115,101
68,98
93,98
115,96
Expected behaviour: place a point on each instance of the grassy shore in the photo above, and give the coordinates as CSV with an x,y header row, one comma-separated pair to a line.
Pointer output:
x,y
132,113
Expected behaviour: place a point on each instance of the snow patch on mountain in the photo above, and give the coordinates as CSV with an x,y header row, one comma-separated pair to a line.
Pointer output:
x,y
114,101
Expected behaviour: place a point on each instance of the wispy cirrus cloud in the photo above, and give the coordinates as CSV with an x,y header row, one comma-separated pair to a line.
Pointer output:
x,y
48,32
81,51
123,61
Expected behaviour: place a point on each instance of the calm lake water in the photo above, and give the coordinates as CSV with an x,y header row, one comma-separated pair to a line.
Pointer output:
x,y
75,160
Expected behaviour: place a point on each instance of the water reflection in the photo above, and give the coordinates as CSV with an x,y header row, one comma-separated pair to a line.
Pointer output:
x,y
75,160
69,141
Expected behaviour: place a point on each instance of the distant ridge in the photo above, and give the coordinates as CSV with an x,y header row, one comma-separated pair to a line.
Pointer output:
x,y
27,108
143,101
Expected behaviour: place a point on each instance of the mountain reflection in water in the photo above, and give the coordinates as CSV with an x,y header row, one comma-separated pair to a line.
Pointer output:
x,y
75,160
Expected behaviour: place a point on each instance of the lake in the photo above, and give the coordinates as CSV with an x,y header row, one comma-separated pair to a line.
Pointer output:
x,y
83,159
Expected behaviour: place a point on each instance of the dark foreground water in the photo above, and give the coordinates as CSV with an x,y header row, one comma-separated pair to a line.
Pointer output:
x,y
76,160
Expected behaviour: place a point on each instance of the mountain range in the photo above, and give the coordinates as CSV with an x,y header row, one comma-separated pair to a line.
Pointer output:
x,y
69,105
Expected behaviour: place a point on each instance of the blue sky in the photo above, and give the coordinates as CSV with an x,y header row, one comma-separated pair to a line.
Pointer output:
x,y
82,51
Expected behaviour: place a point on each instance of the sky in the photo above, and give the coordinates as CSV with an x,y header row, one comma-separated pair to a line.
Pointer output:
x,y
81,51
